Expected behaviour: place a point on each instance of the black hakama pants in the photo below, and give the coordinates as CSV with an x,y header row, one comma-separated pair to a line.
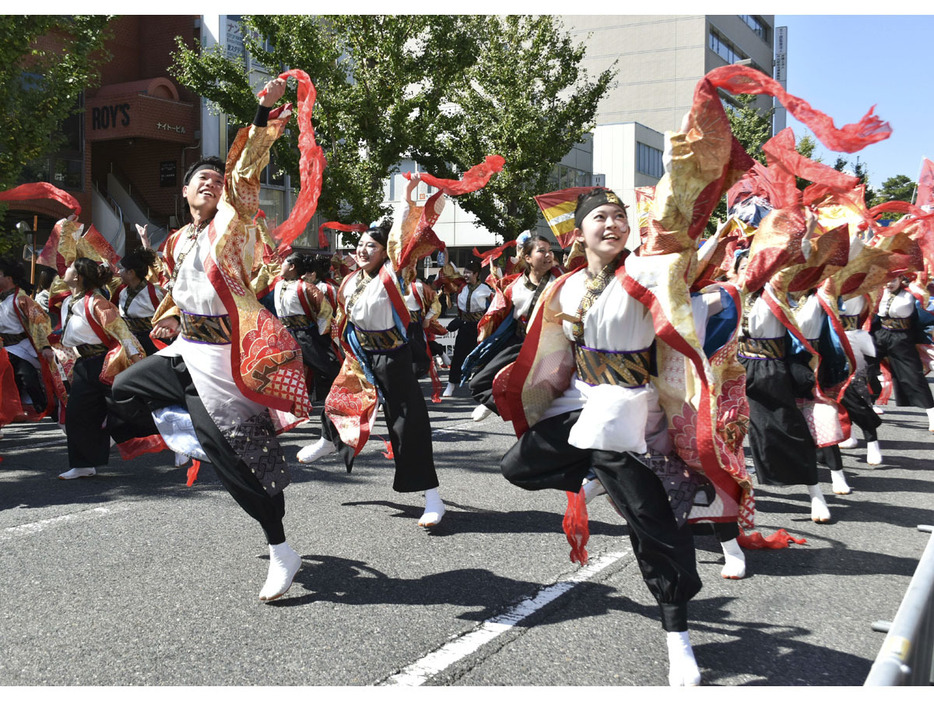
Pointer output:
x,y
418,342
543,459
319,356
782,448
464,343
88,399
159,381
481,384
406,419
910,386
29,380
858,405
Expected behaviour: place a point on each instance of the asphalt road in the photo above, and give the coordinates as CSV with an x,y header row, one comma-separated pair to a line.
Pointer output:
x,y
131,578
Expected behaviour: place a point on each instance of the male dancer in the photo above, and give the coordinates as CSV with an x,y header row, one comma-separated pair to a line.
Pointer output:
x,y
233,366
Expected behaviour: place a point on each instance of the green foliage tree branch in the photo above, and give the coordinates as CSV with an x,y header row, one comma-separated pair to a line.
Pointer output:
x,y
40,87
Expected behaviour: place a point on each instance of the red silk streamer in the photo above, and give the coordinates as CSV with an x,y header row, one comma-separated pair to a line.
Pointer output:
x,y
778,540
490,256
193,471
310,165
925,184
756,182
576,526
41,191
388,452
474,179
849,138
785,163
337,226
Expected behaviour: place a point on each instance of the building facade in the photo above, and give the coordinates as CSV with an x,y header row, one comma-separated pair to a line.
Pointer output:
x,y
128,151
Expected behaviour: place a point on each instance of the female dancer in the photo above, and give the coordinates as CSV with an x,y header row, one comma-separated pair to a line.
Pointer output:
x,y
305,312
782,447
812,321
92,326
375,319
611,335
895,333
472,302
856,399
137,298
500,346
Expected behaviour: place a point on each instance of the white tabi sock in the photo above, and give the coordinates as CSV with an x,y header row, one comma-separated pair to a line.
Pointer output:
x,y
930,413
873,453
682,667
284,563
819,511
434,509
592,489
838,481
850,442
734,565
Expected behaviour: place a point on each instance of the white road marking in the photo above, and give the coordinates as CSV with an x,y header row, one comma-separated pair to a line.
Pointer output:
x,y
45,524
435,662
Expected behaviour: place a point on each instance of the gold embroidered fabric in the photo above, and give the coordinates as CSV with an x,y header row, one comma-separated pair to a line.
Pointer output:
x,y
89,350
377,341
850,323
214,330
11,339
623,368
138,324
773,348
895,324
298,321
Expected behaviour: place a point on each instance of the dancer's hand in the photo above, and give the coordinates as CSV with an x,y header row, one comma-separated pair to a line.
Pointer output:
x,y
273,92
165,328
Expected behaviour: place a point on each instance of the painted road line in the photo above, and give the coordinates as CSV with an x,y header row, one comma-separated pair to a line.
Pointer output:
x,y
448,654
45,524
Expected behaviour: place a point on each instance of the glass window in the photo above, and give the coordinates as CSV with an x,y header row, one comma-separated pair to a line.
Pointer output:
x,y
757,25
723,48
649,160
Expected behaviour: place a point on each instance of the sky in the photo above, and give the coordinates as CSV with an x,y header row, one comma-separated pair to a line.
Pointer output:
x,y
845,64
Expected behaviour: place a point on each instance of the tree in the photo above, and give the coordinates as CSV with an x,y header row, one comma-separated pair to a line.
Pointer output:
x,y
46,62
525,98
751,127
861,171
378,80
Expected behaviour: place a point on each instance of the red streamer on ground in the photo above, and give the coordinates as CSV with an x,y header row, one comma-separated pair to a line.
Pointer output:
x,y
41,191
310,165
778,540
474,179
576,526
388,452
337,226
193,471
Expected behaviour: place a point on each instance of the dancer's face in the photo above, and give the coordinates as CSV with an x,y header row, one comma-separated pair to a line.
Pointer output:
x,y
370,254
604,232
541,259
288,270
203,191
894,285
71,278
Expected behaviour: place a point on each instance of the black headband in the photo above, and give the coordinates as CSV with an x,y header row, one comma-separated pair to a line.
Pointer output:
x,y
592,202
205,166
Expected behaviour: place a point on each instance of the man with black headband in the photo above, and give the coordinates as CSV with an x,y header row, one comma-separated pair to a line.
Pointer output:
x,y
202,374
